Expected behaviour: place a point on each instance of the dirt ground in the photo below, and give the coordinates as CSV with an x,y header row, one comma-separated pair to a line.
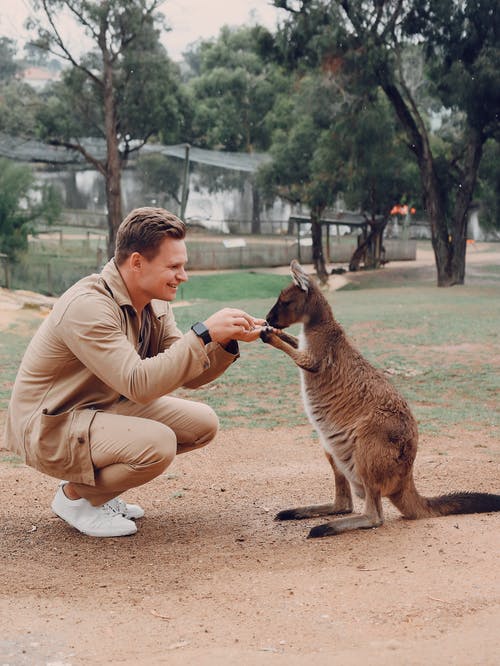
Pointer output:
x,y
210,578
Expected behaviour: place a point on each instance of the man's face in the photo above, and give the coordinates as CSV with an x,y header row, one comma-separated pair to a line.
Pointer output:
x,y
160,277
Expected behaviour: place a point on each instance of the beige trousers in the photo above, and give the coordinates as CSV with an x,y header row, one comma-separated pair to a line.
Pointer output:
x,y
131,444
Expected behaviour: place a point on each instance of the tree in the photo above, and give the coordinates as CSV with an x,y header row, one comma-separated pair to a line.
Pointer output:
x,y
125,90
460,45
326,142
9,67
161,177
488,186
18,101
21,204
19,107
381,172
234,88
307,166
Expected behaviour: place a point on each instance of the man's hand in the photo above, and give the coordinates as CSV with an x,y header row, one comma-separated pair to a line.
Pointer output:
x,y
232,324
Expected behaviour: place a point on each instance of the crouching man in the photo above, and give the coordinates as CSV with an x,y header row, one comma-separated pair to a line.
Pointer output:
x,y
91,403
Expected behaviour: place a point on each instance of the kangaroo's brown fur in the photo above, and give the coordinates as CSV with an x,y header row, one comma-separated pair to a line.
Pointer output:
x,y
366,427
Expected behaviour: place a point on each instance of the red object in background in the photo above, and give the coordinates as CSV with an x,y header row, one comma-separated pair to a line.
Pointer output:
x,y
399,209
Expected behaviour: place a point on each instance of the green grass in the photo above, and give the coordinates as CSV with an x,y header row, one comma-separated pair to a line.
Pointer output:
x,y
442,345
50,274
12,346
259,390
232,286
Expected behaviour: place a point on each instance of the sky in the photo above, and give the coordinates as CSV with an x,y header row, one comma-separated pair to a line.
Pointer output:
x,y
190,20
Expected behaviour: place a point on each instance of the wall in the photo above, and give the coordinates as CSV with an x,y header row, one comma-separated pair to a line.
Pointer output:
x,y
213,254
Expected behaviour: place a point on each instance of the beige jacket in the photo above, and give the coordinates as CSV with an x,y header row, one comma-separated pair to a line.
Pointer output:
x,y
88,354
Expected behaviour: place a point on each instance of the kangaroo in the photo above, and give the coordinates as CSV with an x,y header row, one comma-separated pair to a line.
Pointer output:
x,y
367,430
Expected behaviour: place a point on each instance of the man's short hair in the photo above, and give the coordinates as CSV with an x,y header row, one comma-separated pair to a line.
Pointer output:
x,y
143,230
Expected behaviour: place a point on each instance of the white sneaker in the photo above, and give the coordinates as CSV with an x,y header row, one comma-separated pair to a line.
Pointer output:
x,y
98,521
130,511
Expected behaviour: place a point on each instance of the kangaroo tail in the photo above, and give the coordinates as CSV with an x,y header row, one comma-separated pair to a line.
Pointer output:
x,y
446,505
413,505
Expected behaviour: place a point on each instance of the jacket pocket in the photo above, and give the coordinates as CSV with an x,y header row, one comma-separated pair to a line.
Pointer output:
x,y
54,437
60,445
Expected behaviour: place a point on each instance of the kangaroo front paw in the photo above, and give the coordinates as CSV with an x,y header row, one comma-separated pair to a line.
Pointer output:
x,y
267,334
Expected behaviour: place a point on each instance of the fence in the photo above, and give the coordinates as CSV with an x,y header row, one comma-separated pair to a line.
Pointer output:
x,y
57,257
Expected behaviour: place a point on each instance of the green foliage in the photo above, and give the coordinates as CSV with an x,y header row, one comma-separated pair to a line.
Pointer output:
x,y
488,186
128,66
161,177
463,55
307,165
150,98
325,144
72,108
21,204
19,106
302,41
233,89
126,90
18,101
366,44
8,65
382,170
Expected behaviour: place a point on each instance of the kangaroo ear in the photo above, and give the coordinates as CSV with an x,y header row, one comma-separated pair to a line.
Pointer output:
x,y
300,277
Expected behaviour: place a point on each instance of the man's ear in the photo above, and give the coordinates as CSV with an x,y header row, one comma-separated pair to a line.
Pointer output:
x,y
135,261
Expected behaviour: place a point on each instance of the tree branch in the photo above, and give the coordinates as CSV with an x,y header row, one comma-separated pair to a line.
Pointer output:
x,y
80,149
81,18
414,110
283,4
391,24
66,54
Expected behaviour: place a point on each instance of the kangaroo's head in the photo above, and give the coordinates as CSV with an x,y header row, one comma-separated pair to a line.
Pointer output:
x,y
297,302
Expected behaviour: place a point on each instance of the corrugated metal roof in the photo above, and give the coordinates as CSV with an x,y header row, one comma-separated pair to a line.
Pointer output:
x,y
249,162
30,150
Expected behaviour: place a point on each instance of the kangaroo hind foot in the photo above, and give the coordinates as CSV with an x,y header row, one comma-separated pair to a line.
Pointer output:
x,y
313,511
372,517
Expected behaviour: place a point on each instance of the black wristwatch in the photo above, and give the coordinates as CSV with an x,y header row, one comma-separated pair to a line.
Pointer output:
x,y
202,332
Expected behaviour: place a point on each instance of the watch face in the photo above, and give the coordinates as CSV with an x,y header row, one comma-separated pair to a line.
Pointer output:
x,y
199,328
202,331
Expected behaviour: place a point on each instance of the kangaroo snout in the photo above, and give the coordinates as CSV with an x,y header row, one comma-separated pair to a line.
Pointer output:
x,y
270,317
273,318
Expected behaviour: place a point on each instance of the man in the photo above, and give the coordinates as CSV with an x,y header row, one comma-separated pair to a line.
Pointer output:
x,y
91,401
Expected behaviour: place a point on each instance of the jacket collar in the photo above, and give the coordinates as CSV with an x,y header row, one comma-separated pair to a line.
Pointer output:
x,y
114,281
115,284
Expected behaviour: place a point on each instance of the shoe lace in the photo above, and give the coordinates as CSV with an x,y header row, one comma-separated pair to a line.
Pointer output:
x,y
114,506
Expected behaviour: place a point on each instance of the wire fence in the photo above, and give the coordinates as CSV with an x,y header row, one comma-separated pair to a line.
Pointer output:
x,y
58,257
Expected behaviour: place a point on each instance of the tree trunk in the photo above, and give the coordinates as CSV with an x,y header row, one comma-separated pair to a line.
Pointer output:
x,y
449,236
114,200
371,249
317,246
449,229
113,162
255,210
